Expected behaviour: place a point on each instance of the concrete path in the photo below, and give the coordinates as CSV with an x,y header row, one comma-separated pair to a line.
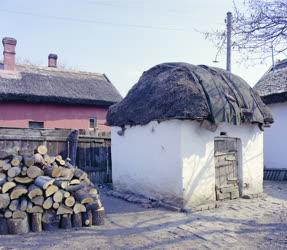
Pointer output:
x,y
259,223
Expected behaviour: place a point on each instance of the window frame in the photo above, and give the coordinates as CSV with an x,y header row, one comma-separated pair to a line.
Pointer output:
x,y
40,123
95,122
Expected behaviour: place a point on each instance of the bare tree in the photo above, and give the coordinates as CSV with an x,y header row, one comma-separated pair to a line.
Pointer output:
x,y
258,27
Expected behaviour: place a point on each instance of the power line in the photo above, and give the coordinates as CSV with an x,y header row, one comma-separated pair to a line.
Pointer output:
x,y
94,21
117,5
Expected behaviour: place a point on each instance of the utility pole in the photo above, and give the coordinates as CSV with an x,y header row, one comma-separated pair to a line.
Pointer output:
x,y
228,37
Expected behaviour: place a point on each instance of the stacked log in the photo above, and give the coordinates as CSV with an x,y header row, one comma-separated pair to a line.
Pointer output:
x,y
42,192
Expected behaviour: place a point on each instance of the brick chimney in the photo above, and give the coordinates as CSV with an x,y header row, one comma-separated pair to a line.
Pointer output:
x,y
52,60
9,53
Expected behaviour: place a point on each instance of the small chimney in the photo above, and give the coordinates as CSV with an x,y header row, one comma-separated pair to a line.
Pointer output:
x,y
9,53
52,60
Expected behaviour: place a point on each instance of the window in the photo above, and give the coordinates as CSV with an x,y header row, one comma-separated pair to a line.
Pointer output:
x,y
93,122
33,124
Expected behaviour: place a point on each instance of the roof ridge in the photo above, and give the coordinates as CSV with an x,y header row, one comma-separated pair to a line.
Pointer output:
x,y
59,70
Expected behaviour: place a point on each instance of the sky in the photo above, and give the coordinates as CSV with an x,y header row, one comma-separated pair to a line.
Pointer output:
x,y
121,38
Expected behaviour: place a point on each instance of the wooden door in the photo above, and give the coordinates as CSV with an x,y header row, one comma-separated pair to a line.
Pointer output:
x,y
226,168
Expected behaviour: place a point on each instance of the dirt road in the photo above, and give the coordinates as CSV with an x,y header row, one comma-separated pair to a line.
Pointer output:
x,y
239,224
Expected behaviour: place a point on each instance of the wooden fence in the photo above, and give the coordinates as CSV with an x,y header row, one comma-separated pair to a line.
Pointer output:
x,y
90,153
275,174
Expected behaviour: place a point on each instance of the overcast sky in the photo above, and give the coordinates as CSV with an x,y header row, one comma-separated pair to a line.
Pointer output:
x,y
120,38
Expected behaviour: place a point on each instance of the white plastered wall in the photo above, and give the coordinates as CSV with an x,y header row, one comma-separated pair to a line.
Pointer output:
x,y
197,154
146,160
275,138
174,160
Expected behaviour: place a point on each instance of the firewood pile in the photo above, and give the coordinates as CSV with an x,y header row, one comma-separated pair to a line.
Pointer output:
x,y
40,192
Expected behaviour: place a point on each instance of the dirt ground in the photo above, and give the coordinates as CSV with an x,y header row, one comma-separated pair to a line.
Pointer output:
x,y
259,223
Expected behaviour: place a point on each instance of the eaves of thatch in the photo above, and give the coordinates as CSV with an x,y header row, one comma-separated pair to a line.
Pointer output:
x,y
188,92
272,87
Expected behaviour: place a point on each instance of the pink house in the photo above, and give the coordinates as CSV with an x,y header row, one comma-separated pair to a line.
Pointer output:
x,y
50,97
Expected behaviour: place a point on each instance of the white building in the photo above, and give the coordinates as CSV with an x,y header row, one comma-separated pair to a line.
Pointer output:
x,y
188,136
272,88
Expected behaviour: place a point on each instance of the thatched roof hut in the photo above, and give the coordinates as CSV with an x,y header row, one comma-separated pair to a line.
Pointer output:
x,y
188,92
272,87
189,135
32,84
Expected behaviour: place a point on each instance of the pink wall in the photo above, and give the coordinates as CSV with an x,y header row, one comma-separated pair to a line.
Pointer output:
x,y
53,116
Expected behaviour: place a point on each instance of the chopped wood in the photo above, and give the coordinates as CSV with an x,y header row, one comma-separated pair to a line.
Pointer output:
x,y
58,196
66,194
38,200
7,166
42,149
48,203
83,197
62,162
29,160
47,159
8,214
2,163
95,205
16,161
46,188
93,191
70,201
67,173
36,222
74,188
14,171
43,181
51,190
79,208
64,210
34,172
77,220
98,216
18,226
35,209
52,171
50,220
23,204
38,158
58,158
75,182
34,191
68,164
13,206
23,180
24,171
3,225
10,179
87,218
19,214
18,191
80,174
3,178
56,205
62,183
66,222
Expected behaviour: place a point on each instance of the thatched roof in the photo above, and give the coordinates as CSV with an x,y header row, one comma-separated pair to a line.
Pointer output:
x,y
272,87
185,91
52,85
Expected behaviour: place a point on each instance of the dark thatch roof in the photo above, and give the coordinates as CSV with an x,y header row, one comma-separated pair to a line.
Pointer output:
x,y
272,87
52,85
185,91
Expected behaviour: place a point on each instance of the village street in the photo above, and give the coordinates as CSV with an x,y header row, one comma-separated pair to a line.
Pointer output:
x,y
238,224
